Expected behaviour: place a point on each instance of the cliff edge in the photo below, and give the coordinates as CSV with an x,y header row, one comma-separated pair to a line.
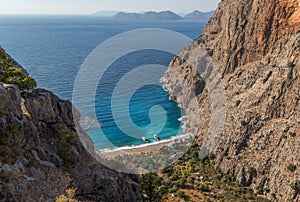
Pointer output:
x,y
255,47
42,156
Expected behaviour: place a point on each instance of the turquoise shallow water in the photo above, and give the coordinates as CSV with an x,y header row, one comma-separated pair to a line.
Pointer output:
x,y
52,49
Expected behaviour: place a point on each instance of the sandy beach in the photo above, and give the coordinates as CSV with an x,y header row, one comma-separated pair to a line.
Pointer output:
x,y
145,148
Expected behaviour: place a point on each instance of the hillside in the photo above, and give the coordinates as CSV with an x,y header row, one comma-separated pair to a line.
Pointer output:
x,y
41,154
255,48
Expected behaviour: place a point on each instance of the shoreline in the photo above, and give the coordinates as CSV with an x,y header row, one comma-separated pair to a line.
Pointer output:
x,y
141,149
147,148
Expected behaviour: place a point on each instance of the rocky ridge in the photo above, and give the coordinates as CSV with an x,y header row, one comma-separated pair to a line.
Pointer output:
x,y
255,47
42,155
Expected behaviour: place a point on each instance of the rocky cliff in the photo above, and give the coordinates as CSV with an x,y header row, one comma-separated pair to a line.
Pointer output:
x,y
42,156
255,47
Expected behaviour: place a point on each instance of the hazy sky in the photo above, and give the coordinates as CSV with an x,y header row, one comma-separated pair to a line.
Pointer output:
x,y
92,6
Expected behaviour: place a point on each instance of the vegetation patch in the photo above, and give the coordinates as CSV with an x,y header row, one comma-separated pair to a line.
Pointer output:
x,y
9,176
69,196
10,143
243,123
11,74
193,179
291,167
292,134
237,103
291,65
66,140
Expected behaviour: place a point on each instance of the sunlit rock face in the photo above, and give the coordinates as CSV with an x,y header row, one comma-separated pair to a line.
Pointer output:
x,y
255,46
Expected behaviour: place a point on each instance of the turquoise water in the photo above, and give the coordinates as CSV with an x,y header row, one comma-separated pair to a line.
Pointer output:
x,y
52,49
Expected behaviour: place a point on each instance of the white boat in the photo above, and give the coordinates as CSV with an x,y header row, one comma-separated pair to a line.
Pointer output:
x,y
145,139
156,137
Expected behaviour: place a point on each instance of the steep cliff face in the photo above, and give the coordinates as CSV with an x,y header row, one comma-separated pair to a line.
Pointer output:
x,y
247,31
255,47
41,154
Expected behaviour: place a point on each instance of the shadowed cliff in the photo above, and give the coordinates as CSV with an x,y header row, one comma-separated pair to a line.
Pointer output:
x,y
42,156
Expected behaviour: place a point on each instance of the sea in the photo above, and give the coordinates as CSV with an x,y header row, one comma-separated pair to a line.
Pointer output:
x,y
52,49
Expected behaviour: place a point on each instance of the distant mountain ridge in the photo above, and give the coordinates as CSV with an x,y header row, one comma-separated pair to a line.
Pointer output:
x,y
153,15
198,15
150,15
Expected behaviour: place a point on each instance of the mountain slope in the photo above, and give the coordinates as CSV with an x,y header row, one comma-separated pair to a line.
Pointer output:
x,y
255,47
41,154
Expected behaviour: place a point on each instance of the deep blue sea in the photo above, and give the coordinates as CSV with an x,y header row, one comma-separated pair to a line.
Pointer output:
x,y
53,48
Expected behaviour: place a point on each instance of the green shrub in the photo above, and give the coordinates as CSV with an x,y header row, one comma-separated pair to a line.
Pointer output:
x,y
150,187
291,167
172,190
292,134
203,187
232,178
10,143
296,187
283,136
267,190
237,103
243,123
260,191
17,76
291,65
252,171
64,150
180,194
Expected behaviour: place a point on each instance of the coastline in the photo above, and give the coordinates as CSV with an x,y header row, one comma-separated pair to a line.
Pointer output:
x,y
152,147
142,149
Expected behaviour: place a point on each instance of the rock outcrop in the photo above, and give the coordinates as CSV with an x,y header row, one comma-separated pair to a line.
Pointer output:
x,y
255,47
41,154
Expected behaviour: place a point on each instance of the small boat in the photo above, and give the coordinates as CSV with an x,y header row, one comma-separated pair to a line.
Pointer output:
x,y
145,139
156,137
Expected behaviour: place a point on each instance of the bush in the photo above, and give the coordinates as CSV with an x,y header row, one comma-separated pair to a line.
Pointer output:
x,y
291,167
203,187
172,190
292,134
17,76
64,150
237,103
291,65
252,171
283,136
10,143
243,123
180,194
69,196
150,187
